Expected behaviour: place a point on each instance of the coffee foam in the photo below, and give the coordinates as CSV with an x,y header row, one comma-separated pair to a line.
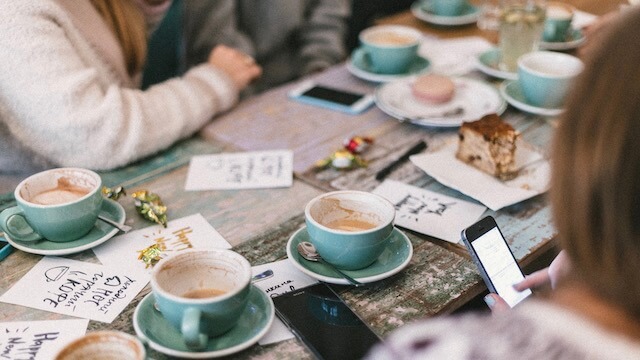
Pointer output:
x,y
389,38
344,215
66,191
558,12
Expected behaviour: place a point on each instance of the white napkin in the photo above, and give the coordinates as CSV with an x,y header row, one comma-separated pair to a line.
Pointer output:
x,y
453,57
442,165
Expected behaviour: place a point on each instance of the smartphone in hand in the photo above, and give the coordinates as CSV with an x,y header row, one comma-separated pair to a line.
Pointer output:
x,y
494,259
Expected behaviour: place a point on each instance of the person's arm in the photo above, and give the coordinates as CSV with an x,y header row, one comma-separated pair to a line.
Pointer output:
x,y
61,106
323,34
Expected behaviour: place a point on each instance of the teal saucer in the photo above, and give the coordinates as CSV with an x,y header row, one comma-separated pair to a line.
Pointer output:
x,y
512,93
488,61
422,10
573,40
363,70
100,233
394,258
161,336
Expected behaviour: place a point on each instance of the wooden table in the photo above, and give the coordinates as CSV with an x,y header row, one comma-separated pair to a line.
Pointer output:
x,y
440,277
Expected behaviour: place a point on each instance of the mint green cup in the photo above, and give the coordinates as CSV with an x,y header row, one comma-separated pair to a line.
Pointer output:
x,y
388,49
202,293
557,23
349,229
545,77
57,205
448,7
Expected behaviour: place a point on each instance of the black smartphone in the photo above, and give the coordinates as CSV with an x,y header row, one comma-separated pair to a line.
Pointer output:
x,y
494,259
336,99
320,319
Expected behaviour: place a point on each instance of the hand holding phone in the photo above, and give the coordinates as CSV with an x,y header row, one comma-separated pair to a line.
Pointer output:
x,y
497,265
336,99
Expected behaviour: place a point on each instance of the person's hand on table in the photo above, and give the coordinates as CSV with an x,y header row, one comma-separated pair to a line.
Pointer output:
x,y
549,276
241,68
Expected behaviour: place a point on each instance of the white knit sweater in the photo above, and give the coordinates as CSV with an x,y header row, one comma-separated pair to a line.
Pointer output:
x,y
66,100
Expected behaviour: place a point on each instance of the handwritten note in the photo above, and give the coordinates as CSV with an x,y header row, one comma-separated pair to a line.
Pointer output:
x,y
248,170
285,278
428,212
186,233
38,340
77,288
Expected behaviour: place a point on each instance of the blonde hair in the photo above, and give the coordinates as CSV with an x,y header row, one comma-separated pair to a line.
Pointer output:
x,y
595,191
128,24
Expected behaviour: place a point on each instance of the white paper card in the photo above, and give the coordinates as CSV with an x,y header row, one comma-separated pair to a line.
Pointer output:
x,y
77,288
285,278
247,170
453,56
532,180
38,340
428,212
186,233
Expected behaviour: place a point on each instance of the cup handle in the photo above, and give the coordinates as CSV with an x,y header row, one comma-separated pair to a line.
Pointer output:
x,y
191,330
14,224
362,57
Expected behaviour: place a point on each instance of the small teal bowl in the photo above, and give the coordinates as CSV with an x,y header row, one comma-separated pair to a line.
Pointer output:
x,y
354,248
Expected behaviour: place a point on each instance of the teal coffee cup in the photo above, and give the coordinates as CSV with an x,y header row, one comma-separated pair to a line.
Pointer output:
x,y
57,205
545,77
448,7
202,293
349,229
557,24
388,49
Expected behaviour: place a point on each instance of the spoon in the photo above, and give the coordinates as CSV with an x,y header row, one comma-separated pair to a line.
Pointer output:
x,y
308,251
124,228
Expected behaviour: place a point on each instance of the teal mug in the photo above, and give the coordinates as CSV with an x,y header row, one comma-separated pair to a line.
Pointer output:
x,y
202,293
388,49
557,24
545,77
349,229
57,205
448,7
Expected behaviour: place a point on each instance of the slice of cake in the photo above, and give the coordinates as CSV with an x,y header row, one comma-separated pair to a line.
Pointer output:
x,y
489,144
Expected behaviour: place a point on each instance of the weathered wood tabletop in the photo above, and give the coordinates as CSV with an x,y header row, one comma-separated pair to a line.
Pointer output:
x,y
440,277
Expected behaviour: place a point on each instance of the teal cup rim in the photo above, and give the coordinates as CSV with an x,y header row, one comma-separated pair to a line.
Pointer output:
x,y
244,278
390,28
524,64
21,199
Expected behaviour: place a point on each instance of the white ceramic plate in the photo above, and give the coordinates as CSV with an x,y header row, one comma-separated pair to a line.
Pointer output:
x,y
487,62
420,10
512,93
472,100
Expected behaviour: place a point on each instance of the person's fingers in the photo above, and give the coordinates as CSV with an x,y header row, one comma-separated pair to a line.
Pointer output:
x,y
533,280
496,303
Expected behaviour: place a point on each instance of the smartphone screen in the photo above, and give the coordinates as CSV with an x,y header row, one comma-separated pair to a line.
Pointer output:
x,y
329,328
499,266
333,95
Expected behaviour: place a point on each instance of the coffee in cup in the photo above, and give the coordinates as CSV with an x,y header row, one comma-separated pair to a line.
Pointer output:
x,y
388,49
103,345
57,205
349,229
520,30
202,293
558,21
545,77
